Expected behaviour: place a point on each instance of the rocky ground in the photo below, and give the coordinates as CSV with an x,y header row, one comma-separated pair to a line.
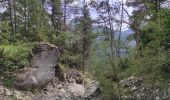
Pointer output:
x,y
55,90
134,88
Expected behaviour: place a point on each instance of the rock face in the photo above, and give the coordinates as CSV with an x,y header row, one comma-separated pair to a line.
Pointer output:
x,y
42,68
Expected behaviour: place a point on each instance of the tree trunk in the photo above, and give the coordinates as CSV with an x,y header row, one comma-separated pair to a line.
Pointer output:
x,y
65,12
138,37
120,31
84,15
111,35
56,15
15,17
25,18
11,17
53,15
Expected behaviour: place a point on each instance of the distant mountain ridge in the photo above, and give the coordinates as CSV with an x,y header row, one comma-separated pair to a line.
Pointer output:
x,y
124,33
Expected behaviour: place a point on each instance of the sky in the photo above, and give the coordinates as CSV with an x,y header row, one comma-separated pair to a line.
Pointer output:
x,y
1,10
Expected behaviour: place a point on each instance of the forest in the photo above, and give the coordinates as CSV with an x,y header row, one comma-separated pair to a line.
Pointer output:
x,y
122,44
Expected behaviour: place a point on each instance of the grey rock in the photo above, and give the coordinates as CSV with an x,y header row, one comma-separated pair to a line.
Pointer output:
x,y
77,89
42,68
93,90
157,98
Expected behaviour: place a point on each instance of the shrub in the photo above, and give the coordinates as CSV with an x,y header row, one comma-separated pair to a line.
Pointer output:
x,y
12,57
17,54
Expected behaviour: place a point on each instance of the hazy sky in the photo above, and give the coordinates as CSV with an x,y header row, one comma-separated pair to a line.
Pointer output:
x,y
1,10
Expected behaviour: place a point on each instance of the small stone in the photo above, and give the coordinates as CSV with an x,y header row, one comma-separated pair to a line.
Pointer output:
x,y
26,98
138,96
143,89
77,89
60,86
157,98
7,92
157,91
18,95
1,90
62,91
131,77
124,97
169,91
134,88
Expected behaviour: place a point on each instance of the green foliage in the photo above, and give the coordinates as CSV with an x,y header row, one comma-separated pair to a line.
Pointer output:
x,y
63,67
100,67
18,53
4,34
6,66
9,81
62,40
106,84
13,98
32,21
123,63
151,57
149,64
13,57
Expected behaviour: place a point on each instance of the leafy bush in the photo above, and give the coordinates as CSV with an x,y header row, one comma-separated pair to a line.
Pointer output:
x,y
9,81
5,36
16,53
100,68
11,58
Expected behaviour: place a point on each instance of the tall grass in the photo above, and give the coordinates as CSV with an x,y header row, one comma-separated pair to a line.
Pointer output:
x,y
16,54
15,51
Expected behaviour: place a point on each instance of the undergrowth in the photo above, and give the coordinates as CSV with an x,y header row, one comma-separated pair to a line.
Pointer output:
x,y
12,57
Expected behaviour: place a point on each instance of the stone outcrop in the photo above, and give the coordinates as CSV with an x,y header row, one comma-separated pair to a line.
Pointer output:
x,y
42,67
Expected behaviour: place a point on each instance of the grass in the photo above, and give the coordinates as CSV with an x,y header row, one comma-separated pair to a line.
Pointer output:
x,y
15,51
9,82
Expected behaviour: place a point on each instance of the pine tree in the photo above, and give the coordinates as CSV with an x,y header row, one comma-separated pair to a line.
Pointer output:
x,y
86,25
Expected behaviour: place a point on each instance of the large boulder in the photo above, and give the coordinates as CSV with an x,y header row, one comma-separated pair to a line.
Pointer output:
x,y
43,67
